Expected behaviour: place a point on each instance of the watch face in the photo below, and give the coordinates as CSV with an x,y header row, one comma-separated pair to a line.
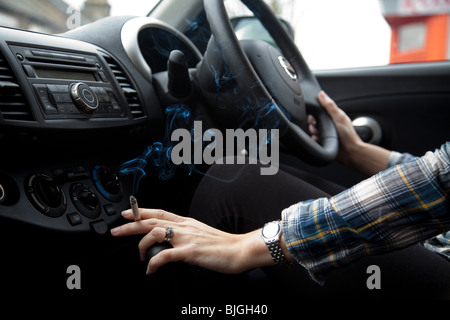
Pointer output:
x,y
271,229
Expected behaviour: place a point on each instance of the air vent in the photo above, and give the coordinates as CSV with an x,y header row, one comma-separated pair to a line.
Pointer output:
x,y
13,105
127,88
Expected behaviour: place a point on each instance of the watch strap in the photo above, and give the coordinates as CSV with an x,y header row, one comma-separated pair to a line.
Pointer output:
x,y
276,252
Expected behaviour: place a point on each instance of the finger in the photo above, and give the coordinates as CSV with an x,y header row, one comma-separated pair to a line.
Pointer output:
x,y
312,120
315,138
313,130
312,127
328,103
156,235
153,213
164,257
337,114
132,228
128,214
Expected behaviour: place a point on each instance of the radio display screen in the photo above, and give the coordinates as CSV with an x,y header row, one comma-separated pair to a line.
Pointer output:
x,y
64,74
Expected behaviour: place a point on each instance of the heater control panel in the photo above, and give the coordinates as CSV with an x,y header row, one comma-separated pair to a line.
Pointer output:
x,y
76,198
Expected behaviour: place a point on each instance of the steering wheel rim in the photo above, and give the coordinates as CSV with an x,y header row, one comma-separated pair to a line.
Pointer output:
x,y
297,139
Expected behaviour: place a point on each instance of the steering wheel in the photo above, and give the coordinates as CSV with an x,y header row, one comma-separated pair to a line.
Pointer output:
x,y
296,89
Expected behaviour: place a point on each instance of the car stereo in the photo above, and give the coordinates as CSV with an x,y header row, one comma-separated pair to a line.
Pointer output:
x,y
69,85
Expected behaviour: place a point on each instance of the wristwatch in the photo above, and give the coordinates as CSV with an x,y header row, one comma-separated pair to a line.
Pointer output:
x,y
271,233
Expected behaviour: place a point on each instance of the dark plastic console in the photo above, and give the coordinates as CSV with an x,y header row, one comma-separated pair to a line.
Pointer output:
x,y
73,198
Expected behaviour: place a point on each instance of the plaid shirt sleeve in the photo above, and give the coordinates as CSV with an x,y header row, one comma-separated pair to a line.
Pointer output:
x,y
398,158
394,209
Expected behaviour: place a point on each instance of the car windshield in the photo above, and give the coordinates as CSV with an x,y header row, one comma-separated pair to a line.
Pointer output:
x,y
57,16
330,34
353,33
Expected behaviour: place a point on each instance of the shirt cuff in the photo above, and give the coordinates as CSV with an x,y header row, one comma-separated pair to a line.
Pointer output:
x,y
291,217
398,158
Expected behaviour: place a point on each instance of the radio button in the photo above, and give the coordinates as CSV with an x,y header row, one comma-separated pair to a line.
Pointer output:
x,y
58,98
74,218
62,88
102,94
47,106
29,71
62,108
71,109
52,88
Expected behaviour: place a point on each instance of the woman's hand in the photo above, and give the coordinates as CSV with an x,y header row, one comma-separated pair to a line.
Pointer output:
x,y
353,152
349,141
195,243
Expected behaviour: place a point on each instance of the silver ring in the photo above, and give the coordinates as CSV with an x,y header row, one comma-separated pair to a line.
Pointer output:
x,y
169,235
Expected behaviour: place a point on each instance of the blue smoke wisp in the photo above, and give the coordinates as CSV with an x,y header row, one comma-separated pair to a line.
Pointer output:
x,y
158,154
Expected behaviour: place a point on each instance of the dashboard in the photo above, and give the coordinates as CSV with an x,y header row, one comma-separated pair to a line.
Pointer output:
x,y
73,107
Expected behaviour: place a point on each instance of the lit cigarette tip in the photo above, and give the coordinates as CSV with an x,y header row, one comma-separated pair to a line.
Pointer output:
x,y
135,208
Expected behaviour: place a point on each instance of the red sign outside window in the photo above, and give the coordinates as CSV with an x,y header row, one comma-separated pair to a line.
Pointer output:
x,y
420,29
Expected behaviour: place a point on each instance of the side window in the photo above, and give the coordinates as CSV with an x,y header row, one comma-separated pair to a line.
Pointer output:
x,y
334,34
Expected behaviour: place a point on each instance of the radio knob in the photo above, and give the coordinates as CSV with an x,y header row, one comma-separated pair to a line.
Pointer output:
x,y
84,98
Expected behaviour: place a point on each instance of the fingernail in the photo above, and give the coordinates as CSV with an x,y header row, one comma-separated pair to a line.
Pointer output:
x,y
115,231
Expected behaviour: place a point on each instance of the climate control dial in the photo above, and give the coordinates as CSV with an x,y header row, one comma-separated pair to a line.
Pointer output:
x,y
85,200
46,195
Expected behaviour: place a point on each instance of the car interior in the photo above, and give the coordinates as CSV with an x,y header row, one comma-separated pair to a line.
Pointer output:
x,y
86,117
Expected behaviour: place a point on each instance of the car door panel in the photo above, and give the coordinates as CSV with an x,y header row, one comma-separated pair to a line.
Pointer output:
x,y
411,103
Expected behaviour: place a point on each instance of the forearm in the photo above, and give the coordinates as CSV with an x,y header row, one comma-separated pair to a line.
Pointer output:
x,y
366,158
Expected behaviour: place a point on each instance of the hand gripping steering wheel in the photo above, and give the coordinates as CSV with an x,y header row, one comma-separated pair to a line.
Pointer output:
x,y
296,89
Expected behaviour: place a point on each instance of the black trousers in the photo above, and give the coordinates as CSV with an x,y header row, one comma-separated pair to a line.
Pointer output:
x,y
236,198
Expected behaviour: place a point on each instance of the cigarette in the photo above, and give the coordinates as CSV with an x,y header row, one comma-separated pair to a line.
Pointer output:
x,y
135,208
